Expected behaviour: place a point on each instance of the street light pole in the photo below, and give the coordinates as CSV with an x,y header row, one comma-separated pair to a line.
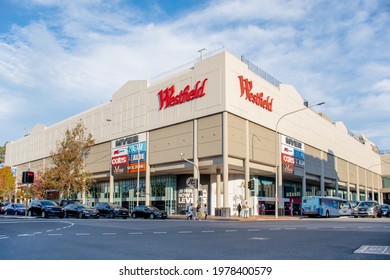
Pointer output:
x,y
138,148
278,172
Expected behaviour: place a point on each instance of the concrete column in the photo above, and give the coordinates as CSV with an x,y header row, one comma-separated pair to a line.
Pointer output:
x,y
218,189
147,173
247,155
225,161
111,194
322,177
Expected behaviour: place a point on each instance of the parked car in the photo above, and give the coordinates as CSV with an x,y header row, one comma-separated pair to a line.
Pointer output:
x,y
111,210
80,211
45,209
385,208
66,202
367,209
151,212
345,209
3,205
15,209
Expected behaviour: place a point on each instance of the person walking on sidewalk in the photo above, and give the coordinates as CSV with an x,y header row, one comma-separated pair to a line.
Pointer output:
x,y
239,209
190,213
205,211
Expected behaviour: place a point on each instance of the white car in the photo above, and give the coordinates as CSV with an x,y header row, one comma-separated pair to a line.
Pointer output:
x,y
345,209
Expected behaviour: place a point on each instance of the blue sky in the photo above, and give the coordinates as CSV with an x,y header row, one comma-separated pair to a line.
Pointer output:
x,y
59,58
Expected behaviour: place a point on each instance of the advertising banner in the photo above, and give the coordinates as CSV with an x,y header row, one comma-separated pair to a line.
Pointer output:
x,y
292,156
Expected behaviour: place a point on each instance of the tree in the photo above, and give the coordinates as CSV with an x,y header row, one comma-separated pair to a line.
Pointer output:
x,y
7,183
67,174
2,153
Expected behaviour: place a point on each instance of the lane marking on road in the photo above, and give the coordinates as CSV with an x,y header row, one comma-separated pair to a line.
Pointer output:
x,y
4,237
338,227
81,234
208,231
275,229
259,238
289,228
108,233
38,232
58,228
313,228
26,234
185,232
54,234
372,249
231,230
135,232
254,229
160,232
50,230
364,227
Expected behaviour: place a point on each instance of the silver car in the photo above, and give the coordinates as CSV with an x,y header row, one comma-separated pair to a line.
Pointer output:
x,y
367,209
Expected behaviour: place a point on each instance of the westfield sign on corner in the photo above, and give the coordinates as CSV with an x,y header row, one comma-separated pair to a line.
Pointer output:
x,y
168,98
256,98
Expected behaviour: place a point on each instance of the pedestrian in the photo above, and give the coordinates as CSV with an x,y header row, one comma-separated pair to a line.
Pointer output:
x,y
245,210
263,209
187,206
205,211
239,209
190,214
198,214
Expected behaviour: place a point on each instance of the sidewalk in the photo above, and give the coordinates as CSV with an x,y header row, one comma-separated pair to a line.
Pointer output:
x,y
241,219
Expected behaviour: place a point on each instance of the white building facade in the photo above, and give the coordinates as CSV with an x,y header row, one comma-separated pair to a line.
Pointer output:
x,y
224,120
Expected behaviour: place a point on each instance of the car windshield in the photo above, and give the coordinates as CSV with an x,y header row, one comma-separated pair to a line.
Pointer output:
x,y
366,203
48,203
153,208
82,206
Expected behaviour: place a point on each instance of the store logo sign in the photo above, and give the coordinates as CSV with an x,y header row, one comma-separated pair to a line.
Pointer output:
x,y
168,98
119,160
256,98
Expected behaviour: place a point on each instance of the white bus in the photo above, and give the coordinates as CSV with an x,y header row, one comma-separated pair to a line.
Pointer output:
x,y
323,206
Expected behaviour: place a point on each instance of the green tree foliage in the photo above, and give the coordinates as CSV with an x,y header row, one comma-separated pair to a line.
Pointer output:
x,y
67,174
7,183
2,153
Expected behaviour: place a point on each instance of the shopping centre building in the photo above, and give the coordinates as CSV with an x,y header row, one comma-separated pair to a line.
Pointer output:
x,y
222,120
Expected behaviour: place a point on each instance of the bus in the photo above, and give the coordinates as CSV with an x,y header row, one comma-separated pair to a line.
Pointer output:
x,y
323,206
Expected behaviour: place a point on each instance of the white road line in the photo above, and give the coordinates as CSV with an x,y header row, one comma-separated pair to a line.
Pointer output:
x,y
50,230
135,232
364,227
26,234
231,230
207,231
312,228
255,229
159,232
181,232
58,228
289,228
108,233
54,234
38,232
275,229
82,234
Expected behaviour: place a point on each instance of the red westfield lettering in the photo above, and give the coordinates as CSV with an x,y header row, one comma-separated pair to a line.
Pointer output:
x,y
169,99
257,98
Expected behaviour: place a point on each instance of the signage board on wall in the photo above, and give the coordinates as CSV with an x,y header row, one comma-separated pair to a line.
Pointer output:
x,y
292,155
125,153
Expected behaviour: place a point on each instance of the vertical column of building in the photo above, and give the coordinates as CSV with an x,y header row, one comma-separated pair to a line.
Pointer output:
x,y
348,187
147,172
337,177
247,170
357,183
225,155
196,160
322,176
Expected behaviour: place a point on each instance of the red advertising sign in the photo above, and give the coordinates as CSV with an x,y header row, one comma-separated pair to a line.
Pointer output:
x,y
257,98
287,159
121,160
168,98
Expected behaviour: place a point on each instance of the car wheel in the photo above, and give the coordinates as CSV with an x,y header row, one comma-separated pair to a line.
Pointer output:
x,y
355,216
151,216
65,215
111,215
134,216
44,215
81,215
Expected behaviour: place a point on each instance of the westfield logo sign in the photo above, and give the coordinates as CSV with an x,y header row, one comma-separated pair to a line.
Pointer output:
x,y
169,99
256,98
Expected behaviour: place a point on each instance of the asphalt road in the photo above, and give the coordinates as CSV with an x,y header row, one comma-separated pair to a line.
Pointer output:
x,y
106,239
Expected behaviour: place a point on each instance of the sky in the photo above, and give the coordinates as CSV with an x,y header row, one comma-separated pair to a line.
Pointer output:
x,y
60,58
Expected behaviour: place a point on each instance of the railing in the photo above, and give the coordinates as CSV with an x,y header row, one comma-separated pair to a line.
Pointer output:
x,y
260,72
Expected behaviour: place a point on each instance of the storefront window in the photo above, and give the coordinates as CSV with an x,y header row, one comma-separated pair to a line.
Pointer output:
x,y
292,190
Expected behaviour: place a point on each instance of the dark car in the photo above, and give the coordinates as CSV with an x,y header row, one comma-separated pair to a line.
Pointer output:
x,y
367,209
45,209
151,212
385,208
15,209
66,202
111,210
80,211
3,205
